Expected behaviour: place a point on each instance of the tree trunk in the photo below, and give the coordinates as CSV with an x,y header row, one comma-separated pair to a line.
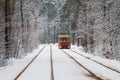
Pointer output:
x,y
22,25
7,29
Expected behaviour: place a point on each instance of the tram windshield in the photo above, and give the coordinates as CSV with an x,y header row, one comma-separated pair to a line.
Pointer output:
x,y
64,39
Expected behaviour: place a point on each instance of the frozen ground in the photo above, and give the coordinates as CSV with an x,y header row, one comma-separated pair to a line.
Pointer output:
x,y
64,68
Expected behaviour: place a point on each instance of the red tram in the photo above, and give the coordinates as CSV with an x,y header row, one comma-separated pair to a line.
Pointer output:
x,y
64,41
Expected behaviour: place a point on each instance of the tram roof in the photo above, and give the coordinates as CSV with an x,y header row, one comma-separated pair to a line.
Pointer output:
x,y
61,36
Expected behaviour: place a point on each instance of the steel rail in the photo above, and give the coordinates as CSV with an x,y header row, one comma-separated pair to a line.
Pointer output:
x,y
16,78
93,75
51,63
96,62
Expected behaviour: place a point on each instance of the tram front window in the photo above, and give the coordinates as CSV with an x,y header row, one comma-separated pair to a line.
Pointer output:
x,y
64,39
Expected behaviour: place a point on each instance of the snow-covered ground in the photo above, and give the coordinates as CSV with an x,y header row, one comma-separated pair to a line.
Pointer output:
x,y
111,63
11,71
64,68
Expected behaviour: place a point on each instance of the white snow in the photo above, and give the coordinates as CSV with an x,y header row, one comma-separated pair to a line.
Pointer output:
x,y
64,68
40,69
111,63
101,71
11,71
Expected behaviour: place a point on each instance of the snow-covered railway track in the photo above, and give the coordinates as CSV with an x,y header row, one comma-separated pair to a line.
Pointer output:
x,y
96,61
52,63
65,69
91,74
19,74
99,71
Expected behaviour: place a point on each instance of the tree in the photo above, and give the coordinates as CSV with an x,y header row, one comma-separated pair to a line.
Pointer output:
x,y
7,28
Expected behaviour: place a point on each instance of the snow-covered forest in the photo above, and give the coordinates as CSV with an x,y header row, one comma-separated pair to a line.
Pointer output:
x,y
24,24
